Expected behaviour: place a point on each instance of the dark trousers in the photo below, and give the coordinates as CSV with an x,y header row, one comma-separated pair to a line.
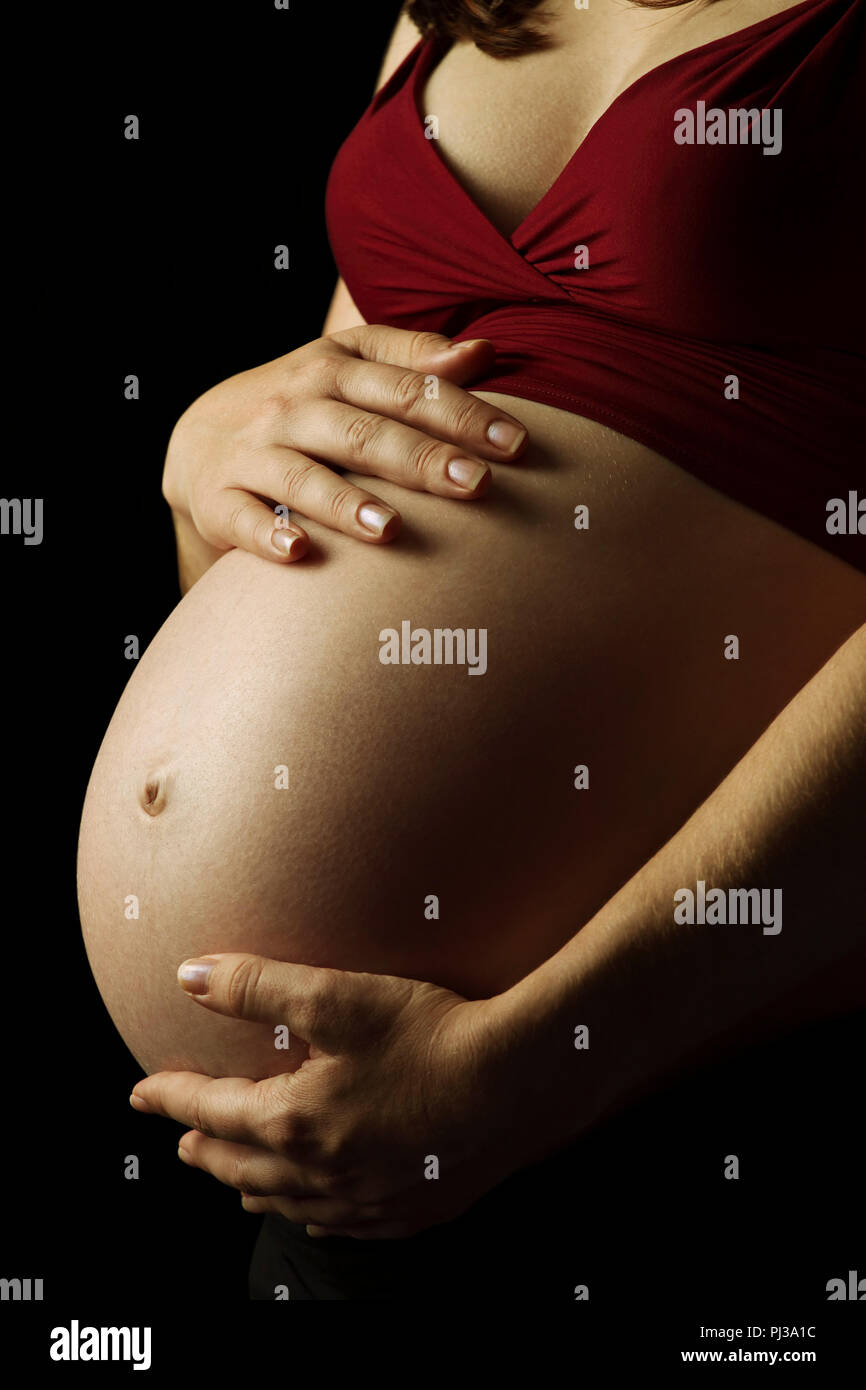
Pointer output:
x,y
641,1211
523,1231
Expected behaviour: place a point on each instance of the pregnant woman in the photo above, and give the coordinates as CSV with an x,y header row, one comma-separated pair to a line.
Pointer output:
x,y
653,618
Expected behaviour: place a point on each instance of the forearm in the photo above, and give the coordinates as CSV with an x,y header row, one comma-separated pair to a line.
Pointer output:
x,y
657,994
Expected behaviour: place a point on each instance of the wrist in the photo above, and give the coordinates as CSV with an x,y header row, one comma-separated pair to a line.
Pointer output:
x,y
571,1037
547,1089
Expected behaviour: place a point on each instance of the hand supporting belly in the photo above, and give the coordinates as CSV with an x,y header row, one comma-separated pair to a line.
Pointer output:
x,y
268,784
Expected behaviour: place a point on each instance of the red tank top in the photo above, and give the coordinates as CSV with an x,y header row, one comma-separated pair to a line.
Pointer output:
x,y
682,280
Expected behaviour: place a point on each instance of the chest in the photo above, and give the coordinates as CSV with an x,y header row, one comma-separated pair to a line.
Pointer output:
x,y
507,129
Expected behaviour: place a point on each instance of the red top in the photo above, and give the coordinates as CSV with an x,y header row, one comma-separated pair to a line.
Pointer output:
x,y
702,262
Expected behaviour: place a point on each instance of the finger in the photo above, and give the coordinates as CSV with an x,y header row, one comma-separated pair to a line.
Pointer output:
x,y
375,444
321,494
248,1167
419,350
301,1211
257,1172
319,1005
322,1218
232,1108
426,399
236,518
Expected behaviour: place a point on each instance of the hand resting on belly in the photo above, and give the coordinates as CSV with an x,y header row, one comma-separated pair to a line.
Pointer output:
x,y
408,782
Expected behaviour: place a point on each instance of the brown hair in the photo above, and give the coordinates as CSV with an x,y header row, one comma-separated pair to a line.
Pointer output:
x,y
498,27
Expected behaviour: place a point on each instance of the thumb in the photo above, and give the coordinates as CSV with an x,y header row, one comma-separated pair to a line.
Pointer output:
x,y
322,1006
420,351
460,361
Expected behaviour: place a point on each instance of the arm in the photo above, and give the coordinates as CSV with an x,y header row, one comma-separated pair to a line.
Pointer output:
x,y
194,554
402,1068
657,995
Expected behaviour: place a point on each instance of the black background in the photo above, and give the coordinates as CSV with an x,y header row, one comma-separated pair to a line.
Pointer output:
x,y
165,270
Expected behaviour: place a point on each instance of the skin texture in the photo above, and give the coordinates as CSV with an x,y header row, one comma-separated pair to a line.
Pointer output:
x,y
508,128
605,648
355,397
398,1068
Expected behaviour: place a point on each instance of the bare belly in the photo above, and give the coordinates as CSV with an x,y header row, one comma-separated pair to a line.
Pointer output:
x,y
427,821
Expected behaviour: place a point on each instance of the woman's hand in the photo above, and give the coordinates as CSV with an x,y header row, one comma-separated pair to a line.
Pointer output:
x,y
379,401
406,1110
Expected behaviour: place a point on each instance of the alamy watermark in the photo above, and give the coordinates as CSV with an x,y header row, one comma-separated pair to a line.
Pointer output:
x,y
21,1290
846,517
739,125
444,646
76,1343
736,906
22,516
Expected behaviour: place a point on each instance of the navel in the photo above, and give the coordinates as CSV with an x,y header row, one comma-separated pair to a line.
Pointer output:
x,y
152,795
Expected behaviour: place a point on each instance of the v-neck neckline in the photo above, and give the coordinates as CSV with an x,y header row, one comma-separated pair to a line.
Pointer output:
x,y
438,47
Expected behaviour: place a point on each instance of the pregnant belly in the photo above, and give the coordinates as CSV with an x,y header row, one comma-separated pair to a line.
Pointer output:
x,y
268,783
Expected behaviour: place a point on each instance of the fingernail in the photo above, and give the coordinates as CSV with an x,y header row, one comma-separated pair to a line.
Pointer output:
x,y
374,518
466,474
138,1102
286,543
193,976
505,436
183,1155
465,343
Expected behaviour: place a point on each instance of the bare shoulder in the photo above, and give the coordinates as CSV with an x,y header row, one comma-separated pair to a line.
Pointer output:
x,y
403,40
